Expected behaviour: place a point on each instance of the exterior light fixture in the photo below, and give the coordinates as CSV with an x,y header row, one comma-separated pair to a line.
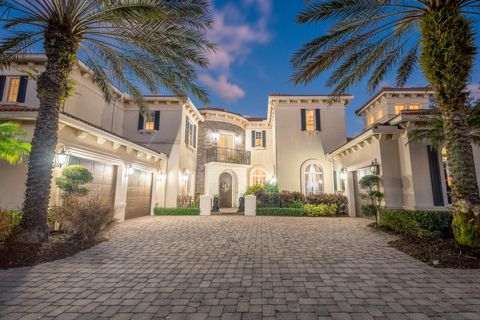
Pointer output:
x,y
215,135
61,158
184,177
273,180
238,139
374,167
160,177
343,174
130,170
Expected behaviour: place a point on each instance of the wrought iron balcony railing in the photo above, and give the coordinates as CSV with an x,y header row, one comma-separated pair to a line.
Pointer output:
x,y
228,155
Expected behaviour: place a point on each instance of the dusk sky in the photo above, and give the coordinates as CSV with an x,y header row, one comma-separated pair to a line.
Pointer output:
x,y
256,40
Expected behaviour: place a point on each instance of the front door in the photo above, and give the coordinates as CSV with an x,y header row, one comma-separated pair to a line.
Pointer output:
x,y
225,192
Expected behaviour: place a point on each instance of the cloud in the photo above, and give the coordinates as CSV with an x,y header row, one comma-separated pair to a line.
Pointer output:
x,y
234,36
227,91
474,90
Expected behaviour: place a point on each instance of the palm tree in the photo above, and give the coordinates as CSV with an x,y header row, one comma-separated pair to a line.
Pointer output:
x,y
368,38
124,43
13,146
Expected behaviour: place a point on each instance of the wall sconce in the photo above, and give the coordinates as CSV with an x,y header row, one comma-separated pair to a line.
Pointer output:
x,y
374,167
184,177
161,177
130,171
238,139
214,135
61,158
273,180
343,174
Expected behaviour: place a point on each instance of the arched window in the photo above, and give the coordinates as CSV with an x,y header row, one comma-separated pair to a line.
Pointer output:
x,y
313,179
258,177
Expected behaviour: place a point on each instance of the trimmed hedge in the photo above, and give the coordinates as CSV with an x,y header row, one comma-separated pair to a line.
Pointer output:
x,y
418,223
339,200
177,211
320,210
296,212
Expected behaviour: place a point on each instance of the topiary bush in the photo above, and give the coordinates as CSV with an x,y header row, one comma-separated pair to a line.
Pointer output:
x,y
72,179
9,221
418,223
339,200
320,210
296,212
176,211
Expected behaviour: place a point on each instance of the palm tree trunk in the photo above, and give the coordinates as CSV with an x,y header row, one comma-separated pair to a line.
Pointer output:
x,y
60,49
447,60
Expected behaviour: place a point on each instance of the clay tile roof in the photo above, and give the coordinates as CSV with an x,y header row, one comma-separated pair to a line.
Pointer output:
x,y
15,108
308,95
392,89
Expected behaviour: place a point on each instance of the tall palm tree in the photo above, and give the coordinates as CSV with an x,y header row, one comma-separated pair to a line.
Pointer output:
x,y
13,146
124,43
368,38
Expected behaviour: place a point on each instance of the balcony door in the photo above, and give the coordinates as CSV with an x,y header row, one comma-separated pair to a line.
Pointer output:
x,y
226,146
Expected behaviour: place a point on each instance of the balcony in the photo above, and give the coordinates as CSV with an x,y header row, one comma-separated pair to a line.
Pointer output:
x,y
228,155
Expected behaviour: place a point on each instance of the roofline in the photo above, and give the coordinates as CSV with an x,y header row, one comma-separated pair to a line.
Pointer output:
x,y
383,90
343,95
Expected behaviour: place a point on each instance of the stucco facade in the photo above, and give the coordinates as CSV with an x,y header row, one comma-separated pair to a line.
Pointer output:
x,y
167,154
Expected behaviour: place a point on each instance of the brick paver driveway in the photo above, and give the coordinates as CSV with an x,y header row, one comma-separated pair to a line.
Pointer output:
x,y
240,268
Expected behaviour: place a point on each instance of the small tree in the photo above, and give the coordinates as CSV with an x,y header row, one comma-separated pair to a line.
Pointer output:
x,y
369,184
72,179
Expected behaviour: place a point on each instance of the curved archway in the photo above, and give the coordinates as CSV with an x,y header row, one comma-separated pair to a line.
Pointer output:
x,y
227,189
312,177
258,176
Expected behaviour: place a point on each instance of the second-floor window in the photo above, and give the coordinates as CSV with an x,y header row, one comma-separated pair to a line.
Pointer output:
x,y
149,122
399,108
310,120
15,88
259,139
379,114
190,133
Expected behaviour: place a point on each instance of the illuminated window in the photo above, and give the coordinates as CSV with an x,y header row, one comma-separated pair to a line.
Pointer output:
x,y
370,120
258,177
310,120
150,121
448,176
13,88
379,114
258,139
415,106
313,179
399,108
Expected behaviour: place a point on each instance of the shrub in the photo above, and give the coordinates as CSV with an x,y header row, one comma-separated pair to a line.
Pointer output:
x,y
418,223
72,179
9,221
339,200
369,210
252,190
287,198
177,211
320,210
297,212
83,218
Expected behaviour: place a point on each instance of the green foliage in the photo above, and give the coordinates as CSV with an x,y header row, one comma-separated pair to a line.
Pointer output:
x,y
177,211
369,181
83,218
72,179
320,210
296,204
13,146
369,184
271,188
467,233
252,190
295,212
9,221
418,223
324,198
369,210
289,199
162,45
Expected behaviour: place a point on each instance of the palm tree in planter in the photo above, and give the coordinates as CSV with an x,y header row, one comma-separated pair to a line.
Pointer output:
x,y
13,146
368,38
126,43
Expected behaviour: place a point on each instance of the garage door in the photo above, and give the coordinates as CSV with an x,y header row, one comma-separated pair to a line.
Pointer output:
x,y
103,184
138,194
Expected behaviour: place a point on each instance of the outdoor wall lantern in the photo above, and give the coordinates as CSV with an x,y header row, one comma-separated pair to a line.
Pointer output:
x,y
374,167
130,170
214,135
238,139
343,174
184,177
273,180
160,177
61,158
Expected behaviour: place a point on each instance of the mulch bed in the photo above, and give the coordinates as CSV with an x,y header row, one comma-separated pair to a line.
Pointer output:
x,y
58,246
436,252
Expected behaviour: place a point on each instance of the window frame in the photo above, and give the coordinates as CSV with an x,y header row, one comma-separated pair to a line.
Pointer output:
x,y
190,139
149,120
255,175
398,108
10,79
310,127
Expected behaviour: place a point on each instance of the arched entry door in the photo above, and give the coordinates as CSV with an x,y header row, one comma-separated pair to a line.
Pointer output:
x,y
225,192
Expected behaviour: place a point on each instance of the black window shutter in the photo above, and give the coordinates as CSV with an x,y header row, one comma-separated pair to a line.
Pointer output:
x,y
317,120
156,124
335,184
22,89
435,177
141,121
3,79
264,139
253,138
304,119
186,130
194,136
